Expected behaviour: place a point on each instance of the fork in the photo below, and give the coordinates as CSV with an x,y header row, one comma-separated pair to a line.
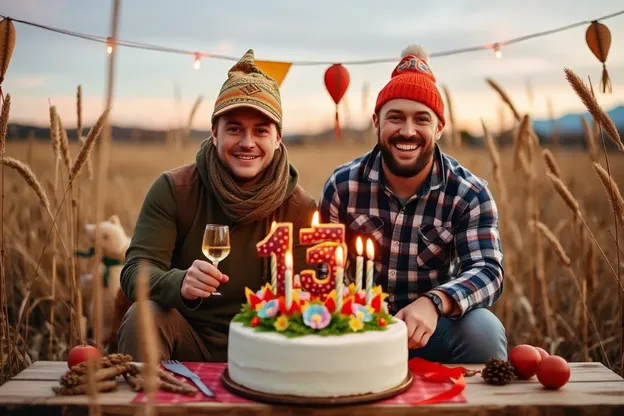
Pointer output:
x,y
180,369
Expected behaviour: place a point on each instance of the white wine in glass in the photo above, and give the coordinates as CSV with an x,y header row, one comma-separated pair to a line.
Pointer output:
x,y
216,244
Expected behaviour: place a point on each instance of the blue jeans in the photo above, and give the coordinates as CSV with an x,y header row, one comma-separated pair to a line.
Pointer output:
x,y
472,339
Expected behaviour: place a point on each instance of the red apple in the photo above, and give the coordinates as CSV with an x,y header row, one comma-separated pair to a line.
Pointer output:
x,y
525,359
81,353
542,352
553,372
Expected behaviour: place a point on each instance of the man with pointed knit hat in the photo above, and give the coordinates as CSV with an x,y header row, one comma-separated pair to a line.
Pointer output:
x,y
433,223
241,178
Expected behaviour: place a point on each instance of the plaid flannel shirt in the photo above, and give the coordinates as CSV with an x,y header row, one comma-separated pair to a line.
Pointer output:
x,y
445,237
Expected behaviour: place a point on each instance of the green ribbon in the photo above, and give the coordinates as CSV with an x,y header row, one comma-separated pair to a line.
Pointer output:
x,y
108,262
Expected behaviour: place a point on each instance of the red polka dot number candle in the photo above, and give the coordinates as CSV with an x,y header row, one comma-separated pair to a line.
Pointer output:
x,y
327,238
276,245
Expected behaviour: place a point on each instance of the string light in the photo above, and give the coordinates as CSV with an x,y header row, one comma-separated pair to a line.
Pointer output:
x,y
197,61
497,51
109,47
132,44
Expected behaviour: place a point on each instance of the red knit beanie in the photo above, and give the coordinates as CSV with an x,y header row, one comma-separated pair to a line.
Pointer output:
x,y
412,79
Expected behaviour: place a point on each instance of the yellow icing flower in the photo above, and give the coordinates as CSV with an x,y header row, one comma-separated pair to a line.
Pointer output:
x,y
355,324
281,323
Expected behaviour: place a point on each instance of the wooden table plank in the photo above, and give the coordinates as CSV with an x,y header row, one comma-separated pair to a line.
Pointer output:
x,y
53,370
593,389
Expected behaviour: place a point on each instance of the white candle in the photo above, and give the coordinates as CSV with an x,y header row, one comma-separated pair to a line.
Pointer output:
x,y
339,278
359,264
288,291
274,273
370,253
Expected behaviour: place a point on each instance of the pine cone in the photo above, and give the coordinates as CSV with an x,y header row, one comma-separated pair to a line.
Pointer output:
x,y
498,372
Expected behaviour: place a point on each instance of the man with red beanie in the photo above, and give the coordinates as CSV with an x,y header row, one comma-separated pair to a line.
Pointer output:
x,y
434,224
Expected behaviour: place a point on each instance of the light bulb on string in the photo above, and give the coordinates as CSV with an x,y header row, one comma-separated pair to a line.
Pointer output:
x,y
109,46
497,51
197,61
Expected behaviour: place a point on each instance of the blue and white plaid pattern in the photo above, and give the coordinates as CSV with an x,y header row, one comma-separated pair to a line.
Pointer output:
x,y
446,237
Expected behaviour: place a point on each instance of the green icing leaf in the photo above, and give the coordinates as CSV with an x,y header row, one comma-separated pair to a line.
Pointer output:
x,y
339,324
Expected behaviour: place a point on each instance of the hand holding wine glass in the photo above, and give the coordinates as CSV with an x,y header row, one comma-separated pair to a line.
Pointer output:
x,y
216,244
203,278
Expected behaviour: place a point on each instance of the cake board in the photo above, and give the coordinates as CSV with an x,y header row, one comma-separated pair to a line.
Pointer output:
x,y
285,399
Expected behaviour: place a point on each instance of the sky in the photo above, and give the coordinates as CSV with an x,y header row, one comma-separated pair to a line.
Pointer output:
x,y
157,90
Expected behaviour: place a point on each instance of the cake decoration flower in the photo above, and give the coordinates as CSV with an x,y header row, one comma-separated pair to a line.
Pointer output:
x,y
362,313
316,316
269,309
281,323
355,324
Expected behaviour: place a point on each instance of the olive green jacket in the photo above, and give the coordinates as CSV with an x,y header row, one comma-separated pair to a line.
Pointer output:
x,y
182,199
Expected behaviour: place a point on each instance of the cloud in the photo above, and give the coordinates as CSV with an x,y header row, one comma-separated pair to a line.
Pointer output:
x,y
28,82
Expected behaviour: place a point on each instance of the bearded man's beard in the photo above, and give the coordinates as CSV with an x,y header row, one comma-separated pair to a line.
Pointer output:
x,y
402,169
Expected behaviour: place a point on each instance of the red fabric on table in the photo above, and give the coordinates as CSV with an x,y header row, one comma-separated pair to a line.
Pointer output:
x,y
210,373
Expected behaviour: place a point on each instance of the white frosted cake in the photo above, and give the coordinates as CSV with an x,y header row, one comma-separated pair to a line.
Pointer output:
x,y
313,350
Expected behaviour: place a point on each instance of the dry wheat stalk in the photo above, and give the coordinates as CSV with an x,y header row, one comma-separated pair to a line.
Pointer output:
x,y
504,97
565,193
590,268
563,257
613,192
54,133
86,148
30,179
573,204
456,138
593,107
64,143
519,140
565,262
549,158
79,111
147,335
4,122
4,315
590,139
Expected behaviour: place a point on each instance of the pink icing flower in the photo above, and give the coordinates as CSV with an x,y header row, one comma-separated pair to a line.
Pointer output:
x,y
316,316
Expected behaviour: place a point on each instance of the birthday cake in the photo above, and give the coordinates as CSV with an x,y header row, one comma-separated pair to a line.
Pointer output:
x,y
311,337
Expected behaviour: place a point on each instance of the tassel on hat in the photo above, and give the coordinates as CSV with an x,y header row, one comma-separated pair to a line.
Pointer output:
x,y
413,79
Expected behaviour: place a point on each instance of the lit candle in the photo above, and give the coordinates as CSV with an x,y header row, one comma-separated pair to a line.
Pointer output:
x,y
370,254
277,242
359,264
339,277
288,281
273,273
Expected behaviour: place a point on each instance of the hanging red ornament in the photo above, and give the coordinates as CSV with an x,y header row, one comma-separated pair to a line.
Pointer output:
x,y
337,81
598,38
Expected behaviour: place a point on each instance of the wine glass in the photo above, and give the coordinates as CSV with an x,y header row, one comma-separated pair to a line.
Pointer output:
x,y
216,244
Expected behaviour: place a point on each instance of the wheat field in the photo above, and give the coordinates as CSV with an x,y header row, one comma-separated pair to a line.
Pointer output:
x,y
566,298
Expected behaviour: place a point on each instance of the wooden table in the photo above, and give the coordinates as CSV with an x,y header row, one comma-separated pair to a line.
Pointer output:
x,y
592,390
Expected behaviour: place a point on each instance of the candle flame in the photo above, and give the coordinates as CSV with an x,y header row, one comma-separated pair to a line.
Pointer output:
x,y
339,256
315,218
289,260
273,225
359,246
370,249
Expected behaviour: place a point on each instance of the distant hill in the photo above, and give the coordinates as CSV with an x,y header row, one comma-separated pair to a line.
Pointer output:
x,y
572,124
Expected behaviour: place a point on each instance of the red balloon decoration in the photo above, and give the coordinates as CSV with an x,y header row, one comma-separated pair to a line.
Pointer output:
x,y
337,81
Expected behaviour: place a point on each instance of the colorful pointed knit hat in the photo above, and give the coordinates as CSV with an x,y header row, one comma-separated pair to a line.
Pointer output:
x,y
412,79
248,86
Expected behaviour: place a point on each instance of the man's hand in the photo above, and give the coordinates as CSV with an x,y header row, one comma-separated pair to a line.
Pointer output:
x,y
421,318
201,279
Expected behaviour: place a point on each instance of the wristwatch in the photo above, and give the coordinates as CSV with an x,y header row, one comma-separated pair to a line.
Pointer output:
x,y
437,301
